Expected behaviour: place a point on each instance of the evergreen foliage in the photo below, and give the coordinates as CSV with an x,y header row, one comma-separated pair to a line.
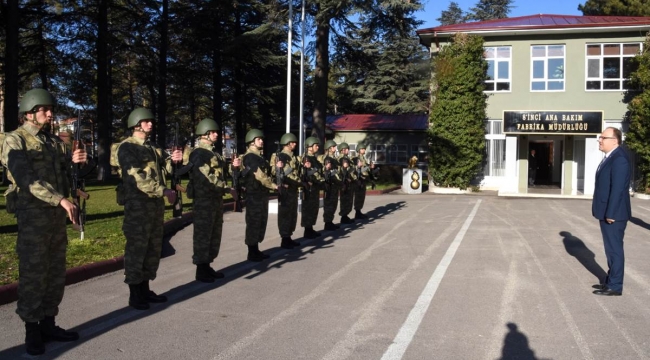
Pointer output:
x,y
453,15
638,105
490,9
457,132
615,7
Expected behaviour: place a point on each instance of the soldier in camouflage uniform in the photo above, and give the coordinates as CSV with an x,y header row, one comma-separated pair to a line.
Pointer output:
x,y
332,184
312,179
257,183
39,169
364,172
348,183
288,199
207,188
142,164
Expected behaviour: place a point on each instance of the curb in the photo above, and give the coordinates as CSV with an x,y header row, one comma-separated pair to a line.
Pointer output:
x,y
9,292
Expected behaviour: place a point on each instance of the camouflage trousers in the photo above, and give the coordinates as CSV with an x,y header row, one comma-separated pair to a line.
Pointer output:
x,y
346,200
257,214
41,248
208,225
310,205
330,203
143,229
288,212
359,197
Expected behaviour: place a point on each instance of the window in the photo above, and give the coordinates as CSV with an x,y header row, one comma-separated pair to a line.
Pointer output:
x,y
422,152
353,150
499,66
495,149
547,68
609,66
376,153
398,154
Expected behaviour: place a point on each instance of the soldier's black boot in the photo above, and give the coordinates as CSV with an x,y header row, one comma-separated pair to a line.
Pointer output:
x,y
310,233
263,255
33,339
254,254
136,298
151,296
215,274
346,220
51,332
203,274
287,243
359,215
329,226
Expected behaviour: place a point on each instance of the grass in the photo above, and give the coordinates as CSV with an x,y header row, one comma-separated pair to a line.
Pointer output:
x,y
103,237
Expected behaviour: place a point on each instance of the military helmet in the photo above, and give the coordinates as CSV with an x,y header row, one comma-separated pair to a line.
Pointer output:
x,y
361,145
287,138
343,146
311,141
206,125
329,144
252,134
36,97
138,115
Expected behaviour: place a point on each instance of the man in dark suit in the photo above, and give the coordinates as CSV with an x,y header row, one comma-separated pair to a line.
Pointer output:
x,y
532,168
611,205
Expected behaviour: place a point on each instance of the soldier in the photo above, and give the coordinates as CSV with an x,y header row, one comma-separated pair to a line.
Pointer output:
x,y
364,172
288,199
332,184
348,182
142,164
257,183
312,180
39,169
207,188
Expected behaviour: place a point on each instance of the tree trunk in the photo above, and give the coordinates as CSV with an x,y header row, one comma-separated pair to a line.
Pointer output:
x,y
11,15
216,84
162,79
103,91
321,74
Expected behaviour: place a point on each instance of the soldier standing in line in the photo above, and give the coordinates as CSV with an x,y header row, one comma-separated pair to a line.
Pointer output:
x,y
207,188
364,172
257,183
142,164
312,185
288,200
348,182
39,170
332,184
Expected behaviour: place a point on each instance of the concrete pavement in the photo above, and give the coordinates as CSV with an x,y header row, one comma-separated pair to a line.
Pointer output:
x,y
426,277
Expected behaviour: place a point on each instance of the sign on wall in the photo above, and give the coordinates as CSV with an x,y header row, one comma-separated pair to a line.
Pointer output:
x,y
553,122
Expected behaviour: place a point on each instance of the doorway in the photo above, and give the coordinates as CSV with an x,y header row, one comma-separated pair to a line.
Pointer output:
x,y
543,161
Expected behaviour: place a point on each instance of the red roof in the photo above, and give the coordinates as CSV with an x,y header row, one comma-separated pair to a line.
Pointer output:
x,y
542,21
378,122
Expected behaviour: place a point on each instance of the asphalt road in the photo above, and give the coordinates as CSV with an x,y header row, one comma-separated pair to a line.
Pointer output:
x,y
426,277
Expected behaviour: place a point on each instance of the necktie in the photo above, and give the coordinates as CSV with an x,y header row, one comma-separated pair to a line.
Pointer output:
x,y
601,163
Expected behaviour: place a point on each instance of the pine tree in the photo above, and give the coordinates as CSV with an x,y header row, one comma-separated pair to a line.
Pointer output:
x,y
615,7
453,15
490,9
457,132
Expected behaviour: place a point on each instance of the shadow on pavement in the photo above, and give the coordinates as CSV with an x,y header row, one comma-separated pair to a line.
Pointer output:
x,y
515,345
639,222
125,315
577,248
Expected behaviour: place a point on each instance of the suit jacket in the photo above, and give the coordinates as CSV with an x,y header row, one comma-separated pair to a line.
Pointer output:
x,y
611,195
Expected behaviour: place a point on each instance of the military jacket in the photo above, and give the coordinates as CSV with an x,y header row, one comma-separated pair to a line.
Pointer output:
x,y
363,171
292,166
143,165
333,175
348,174
38,165
256,171
208,173
315,173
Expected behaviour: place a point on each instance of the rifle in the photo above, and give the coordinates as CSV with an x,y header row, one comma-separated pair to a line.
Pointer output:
x,y
306,178
236,184
78,184
373,175
279,175
345,173
178,170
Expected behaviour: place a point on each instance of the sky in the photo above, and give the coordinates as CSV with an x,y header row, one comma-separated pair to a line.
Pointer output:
x,y
433,8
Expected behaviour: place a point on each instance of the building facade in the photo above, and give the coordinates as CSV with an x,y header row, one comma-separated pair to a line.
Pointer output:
x,y
554,83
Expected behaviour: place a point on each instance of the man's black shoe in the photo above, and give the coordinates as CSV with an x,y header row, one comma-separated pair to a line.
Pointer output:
x,y
287,243
203,273
151,296
329,226
598,286
216,274
607,292
346,220
360,216
51,332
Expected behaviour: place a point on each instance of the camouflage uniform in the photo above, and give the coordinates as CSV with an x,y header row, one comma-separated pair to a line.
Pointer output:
x,y
362,173
142,164
209,186
38,165
311,201
288,204
348,178
332,186
257,183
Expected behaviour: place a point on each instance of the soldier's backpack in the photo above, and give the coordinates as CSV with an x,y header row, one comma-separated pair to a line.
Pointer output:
x,y
11,194
119,190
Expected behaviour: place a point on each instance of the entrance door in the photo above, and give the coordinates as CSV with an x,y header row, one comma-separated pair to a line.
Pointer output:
x,y
544,158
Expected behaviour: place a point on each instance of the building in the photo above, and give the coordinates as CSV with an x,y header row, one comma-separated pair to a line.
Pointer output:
x,y
554,82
